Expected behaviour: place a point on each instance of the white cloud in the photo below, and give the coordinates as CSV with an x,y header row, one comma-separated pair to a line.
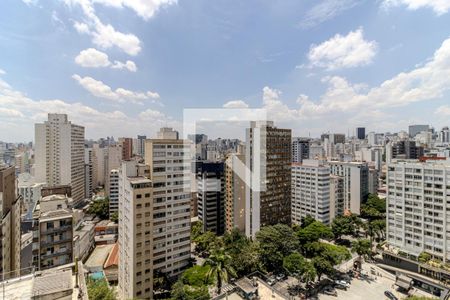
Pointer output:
x,y
81,27
129,65
440,7
99,89
443,110
19,113
343,51
235,104
143,8
2,72
92,58
30,2
326,10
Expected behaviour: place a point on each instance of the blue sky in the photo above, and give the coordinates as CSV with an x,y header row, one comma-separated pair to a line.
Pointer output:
x,y
128,67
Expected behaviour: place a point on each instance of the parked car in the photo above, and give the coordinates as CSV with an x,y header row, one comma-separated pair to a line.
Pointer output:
x,y
342,282
340,286
271,281
390,295
280,277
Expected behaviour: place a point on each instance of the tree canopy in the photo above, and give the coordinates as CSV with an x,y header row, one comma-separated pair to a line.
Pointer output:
x,y
100,208
99,289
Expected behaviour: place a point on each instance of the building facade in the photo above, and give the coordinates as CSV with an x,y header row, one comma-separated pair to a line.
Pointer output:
x,y
113,191
59,154
418,207
210,179
310,191
300,149
268,152
234,194
10,224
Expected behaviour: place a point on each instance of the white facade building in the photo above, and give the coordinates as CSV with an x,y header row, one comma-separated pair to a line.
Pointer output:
x,y
30,190
310,191
59,154
113,191
418,207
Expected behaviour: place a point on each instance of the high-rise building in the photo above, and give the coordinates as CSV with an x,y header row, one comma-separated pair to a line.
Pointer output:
x,y
406,149
234,194
444,135
211,195
268,152
140,244
88,173
127,147
334,138
113,191
170,172
10,224
53,222
413,130
59,154
417,216
337,207
141,145
113,158
310,191
355,183
361,133
300,149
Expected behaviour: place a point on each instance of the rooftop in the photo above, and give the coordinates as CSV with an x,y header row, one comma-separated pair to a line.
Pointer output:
x,y
98,257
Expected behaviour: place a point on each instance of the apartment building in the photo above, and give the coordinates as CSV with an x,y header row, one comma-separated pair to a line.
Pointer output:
x,y
170,172
210,179
300,149
337,207
10,224
310,191
88,173
53,223
355,183
30,191
418,205
234,194
59,154
113,191
139,226
127,148
268,154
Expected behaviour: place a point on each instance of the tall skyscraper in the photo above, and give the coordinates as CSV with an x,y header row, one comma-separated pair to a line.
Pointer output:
x,y
417,216
234,194
10,224
141,145
88,173
170,171
361,133
59,154
140,248
113,191
211,196
310,191
272,159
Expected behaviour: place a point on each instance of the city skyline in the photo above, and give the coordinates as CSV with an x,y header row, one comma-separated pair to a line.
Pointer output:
x,y
122,69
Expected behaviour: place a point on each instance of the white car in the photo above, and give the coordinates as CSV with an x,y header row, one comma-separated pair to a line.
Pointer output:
x,y
342,283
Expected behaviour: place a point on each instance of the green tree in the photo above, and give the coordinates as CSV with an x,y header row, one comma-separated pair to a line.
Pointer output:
x,y
342,225
299,267
115,217
99,289
306,221
206,242
313,232
100,208
377,203
276,242
196,229
322,266
196,276
220,267
424,257
181,291
362,247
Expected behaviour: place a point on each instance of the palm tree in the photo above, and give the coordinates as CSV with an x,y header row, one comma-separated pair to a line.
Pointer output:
x,y
220,263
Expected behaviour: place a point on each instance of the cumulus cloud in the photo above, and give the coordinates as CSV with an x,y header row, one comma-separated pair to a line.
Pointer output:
x,y
235,104
92,58
326,10
348,51
440,7
344,99
19,113
144,9
99,89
